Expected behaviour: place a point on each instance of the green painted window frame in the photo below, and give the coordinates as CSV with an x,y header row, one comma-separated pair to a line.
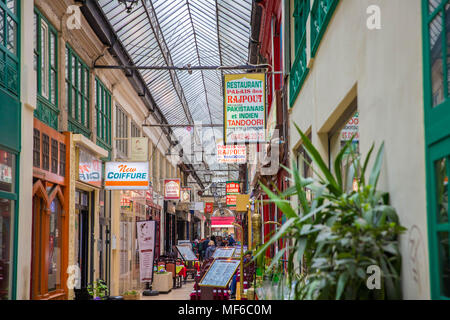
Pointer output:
x,y
9,61
321,13
437,140
103,115
47,107
299,69
78,111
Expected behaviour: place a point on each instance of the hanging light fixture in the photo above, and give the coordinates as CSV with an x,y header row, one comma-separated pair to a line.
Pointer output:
x,y
129,4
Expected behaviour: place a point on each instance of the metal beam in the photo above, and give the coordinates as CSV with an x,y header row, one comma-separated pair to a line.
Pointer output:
x,y
183,125
186,68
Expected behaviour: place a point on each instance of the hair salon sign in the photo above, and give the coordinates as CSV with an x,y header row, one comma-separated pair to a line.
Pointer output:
x,y
126,176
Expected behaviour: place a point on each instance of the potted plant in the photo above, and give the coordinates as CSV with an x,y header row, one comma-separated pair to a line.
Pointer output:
x,y
338,227
98,290
131,295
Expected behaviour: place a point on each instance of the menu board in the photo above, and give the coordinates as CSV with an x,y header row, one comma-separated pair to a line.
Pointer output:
x,y
237,252
220,273
186,253
223,253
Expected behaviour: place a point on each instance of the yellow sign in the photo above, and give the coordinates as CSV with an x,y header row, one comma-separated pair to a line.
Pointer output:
x,y
242,202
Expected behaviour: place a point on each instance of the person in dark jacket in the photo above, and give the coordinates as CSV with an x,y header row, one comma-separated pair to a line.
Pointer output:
x,y
210,251
231,241
203,247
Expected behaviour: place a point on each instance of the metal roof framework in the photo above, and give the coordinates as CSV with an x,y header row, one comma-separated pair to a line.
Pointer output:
x,y
182,33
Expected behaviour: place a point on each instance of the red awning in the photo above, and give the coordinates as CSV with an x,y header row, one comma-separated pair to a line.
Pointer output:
x,y
222,222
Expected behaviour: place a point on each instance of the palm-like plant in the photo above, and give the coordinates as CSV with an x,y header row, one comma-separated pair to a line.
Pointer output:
x,y
343,230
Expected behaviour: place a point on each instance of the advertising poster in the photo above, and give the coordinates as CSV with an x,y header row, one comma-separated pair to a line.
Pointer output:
x,y
172,189
89,168
231,153
245,108
146,242
126,176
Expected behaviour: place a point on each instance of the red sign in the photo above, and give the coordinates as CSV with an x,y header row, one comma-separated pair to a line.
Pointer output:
x,y
231,200
222,222
209,207
233,187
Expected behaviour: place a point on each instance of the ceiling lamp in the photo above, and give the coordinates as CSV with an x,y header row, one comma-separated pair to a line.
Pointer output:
x,y
129,4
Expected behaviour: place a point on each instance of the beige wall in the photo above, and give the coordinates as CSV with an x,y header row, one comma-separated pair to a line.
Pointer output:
x,y
383,68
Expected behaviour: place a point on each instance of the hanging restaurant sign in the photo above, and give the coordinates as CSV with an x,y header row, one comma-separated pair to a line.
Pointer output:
x,y
139,149
232,190
244,108
126,176
231,153
209,207
172,189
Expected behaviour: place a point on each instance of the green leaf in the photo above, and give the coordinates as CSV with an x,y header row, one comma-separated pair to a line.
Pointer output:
x,y
338,161
283,205
366,162
278,235
343,278
375,174
315,156
278,256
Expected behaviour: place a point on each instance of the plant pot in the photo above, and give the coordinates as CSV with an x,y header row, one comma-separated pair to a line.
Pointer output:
x,y
136,296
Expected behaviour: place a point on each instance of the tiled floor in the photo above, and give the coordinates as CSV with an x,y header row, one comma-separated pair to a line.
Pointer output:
x,y
175,294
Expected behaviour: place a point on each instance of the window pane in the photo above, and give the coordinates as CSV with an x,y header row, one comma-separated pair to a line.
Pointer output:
x,y
437,73
67,97
6,245
7,171
54,246
12,35
67,64
12,5
52,50
2,26
442,190
53,87
444,261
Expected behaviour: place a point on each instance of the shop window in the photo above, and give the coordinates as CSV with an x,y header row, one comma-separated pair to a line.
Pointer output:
x,y
45,152
62,159
337,140
45,65
54,156
135,131
36,148
54,246
121,132
103,115
77,93
6,247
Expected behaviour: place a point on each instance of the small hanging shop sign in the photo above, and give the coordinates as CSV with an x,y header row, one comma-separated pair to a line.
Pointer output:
x,y
172,188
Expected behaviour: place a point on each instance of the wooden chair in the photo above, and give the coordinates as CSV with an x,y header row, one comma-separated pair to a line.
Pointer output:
x,y
171,267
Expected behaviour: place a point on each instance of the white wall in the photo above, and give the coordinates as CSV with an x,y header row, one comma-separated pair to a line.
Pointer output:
x,y
384,69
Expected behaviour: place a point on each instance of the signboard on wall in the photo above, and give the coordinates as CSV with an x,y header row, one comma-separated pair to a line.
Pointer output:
x,y
89,168
351,128
172,188
126,176
209,207
232,190
245,108
139,149
231,153
146,241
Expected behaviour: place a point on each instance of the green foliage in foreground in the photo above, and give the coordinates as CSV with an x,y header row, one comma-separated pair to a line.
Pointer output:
x,y
345,228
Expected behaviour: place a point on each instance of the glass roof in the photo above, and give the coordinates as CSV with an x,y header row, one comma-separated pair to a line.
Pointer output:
x,y
181,33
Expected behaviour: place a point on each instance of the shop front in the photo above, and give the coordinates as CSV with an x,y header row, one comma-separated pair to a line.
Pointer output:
x,y
133,208
154,213
50,213
170,226
90,223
